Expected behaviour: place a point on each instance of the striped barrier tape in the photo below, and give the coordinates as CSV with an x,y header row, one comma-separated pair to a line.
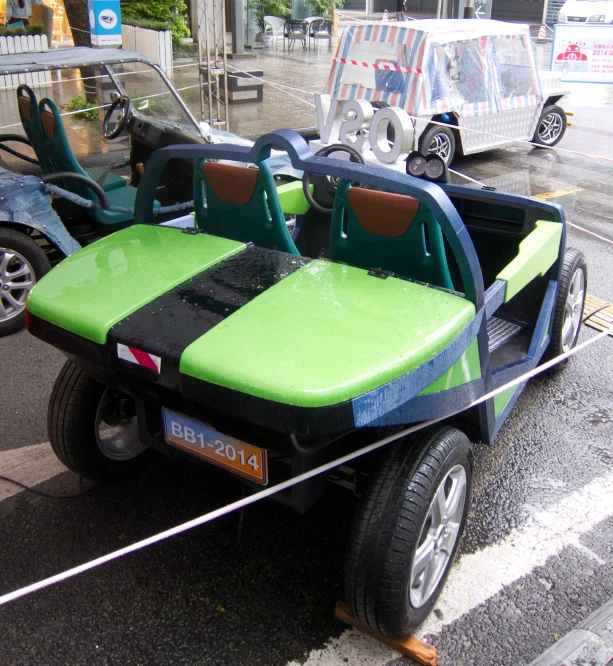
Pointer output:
x,y
387,68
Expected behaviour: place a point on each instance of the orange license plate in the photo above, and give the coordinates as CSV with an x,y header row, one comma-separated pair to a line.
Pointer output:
x,y
202,441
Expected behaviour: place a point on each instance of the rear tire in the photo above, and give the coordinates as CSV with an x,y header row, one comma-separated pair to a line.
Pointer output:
x,y
401,547
22,264
570,302
551,126
93,430
439,140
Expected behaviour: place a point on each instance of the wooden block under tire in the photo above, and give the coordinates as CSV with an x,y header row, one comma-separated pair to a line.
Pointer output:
x,y
411,647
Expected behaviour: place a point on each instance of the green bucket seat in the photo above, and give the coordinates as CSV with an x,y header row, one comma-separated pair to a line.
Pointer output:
x,y
63,159
393,232
240,203
30,119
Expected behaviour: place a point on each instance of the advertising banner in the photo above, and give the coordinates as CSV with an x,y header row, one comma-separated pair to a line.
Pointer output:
x,y
583,52
105,22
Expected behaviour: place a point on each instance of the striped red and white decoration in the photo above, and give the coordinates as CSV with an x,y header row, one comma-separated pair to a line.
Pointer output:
x,y
139,357
542,32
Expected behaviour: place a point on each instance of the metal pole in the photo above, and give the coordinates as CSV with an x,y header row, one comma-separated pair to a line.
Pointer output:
x,y
439,9
224,61
469,9
208,64
199,40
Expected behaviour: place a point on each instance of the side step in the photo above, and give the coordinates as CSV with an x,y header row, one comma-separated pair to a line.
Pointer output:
x,y
501,330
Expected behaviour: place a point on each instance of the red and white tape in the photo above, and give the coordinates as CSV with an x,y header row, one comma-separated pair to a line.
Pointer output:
x,y
139,357
387,68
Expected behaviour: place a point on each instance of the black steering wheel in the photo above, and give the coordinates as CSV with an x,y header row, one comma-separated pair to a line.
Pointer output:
x,y
124,104
322,198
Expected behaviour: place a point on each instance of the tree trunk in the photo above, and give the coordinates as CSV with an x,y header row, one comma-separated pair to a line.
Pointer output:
x,y
78,19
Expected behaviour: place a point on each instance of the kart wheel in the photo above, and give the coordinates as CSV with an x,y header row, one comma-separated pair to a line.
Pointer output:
x,y
407,530
22,263
440,141
551,126
570,301
93,429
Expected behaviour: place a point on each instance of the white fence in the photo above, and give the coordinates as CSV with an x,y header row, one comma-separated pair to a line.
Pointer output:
x,y
24,44
156,45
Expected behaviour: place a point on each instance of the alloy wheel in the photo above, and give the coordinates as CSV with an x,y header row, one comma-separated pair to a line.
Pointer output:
x,y
573,309
438,536
550,128
16,280
441,146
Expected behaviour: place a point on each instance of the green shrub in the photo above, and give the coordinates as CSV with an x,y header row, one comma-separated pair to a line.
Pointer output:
x,y
32,29
324,7
262,8
79,102
164,14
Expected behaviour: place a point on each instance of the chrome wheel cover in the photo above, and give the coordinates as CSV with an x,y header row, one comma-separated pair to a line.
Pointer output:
x,y
438,537
118,440
550,127
16,280
573,309
441,146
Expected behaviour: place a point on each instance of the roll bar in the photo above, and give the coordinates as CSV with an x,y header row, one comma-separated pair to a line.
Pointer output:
x,y
429,194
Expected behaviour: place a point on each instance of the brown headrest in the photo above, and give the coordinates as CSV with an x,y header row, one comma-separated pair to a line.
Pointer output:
x,y
48,121
232,184
25,106
383,213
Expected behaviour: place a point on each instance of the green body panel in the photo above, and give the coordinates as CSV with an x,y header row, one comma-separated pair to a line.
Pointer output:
x,y
500,400
99,285
466,369
406,256
537,253
292,199
325,334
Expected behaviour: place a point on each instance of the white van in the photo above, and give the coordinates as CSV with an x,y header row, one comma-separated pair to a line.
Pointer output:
x,y
586,11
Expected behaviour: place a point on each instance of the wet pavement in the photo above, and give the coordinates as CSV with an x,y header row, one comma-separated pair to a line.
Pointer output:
x,y
261,588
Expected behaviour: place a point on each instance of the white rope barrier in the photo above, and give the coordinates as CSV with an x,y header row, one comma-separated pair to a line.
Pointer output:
x,y
267,492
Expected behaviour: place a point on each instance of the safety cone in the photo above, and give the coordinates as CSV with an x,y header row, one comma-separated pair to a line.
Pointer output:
x,y
542,33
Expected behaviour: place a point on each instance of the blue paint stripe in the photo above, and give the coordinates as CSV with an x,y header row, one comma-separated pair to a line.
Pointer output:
x,y
372,406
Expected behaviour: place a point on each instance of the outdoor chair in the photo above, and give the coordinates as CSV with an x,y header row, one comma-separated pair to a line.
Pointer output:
x,y
273,25
321,29
296,31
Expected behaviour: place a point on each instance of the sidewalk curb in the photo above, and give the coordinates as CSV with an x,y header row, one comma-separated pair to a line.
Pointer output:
x,y
590,643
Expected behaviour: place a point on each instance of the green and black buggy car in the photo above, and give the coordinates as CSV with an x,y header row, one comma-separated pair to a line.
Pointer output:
x,y
267,354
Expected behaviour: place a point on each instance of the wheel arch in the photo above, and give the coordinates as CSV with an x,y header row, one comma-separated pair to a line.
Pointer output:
x,y
63,244
449,119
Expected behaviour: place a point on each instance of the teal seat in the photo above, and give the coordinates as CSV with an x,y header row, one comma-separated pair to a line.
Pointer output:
x,y
63,159
52,154
393,232
30,119
240,203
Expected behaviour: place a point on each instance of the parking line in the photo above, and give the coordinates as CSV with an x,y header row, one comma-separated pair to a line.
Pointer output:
x,y
479,576
557,193
30,465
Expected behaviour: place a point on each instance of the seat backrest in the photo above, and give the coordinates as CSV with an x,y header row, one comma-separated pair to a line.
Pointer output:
x,y
393,232
321,29
59,150
240,203
274,22
30,119
296,29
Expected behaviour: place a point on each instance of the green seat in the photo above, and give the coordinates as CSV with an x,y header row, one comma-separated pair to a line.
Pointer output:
x,y
63,159
393,232
240,203
59,152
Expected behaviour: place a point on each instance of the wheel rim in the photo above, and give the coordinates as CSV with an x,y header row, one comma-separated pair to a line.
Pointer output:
x,y
550,127
117,438
573,309
438,536
16,280
441,146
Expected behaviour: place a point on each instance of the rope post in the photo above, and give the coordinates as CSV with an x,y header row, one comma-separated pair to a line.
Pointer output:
x,y
469,9
335,18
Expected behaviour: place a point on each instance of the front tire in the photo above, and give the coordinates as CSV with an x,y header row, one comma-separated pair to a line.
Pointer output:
x,y
407,530
439,140
93,429
551,126
22,264
570,302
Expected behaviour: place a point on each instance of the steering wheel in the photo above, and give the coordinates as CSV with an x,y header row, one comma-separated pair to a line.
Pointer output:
x,y
322,199
124,104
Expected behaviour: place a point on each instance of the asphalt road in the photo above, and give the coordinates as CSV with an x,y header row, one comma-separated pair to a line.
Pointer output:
x,y
260,588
